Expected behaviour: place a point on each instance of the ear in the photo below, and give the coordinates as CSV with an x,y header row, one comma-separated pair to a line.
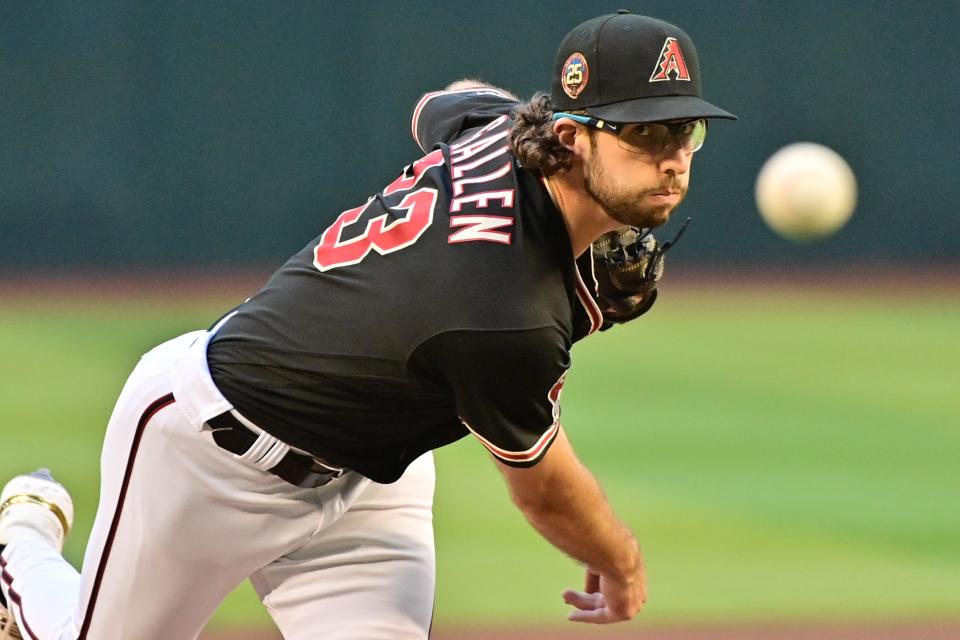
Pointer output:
x,y
567,132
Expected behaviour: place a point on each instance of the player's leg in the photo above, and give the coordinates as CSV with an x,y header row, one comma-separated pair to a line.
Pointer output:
x,y
370,574
38,512
179,524
196,523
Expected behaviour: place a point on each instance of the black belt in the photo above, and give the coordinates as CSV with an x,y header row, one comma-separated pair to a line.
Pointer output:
x,y
296,468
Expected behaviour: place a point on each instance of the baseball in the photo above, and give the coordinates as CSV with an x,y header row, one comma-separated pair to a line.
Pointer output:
x,y
806,191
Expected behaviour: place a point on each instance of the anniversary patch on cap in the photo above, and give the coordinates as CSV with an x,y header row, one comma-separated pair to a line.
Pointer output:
x,y
575,74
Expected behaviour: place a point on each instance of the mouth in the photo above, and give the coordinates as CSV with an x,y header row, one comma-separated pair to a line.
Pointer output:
x,y
665,192
664,195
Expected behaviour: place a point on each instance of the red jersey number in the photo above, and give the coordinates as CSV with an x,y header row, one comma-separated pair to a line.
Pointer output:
x,y
382,235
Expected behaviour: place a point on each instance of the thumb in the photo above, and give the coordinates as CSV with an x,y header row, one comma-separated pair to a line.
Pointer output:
x,y
592,582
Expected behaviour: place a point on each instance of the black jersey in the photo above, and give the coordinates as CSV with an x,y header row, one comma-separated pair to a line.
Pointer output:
x,y
445,304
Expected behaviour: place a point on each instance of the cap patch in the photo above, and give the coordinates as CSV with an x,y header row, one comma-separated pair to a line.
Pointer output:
x,y
574,75
671,62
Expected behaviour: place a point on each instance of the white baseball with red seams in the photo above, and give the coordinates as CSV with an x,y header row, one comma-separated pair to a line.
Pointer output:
x,y
806,191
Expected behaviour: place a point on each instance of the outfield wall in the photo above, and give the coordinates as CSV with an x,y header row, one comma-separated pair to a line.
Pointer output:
x,y
218,134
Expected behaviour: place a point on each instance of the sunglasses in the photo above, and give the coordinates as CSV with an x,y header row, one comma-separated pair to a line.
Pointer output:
x,y
648,138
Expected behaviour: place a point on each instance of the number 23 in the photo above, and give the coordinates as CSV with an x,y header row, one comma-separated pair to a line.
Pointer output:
x,y
381,235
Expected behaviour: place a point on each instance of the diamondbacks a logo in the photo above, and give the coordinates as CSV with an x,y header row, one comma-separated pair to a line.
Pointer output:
x,y
574,75
671,62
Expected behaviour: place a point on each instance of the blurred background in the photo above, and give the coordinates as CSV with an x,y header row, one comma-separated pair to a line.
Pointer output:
x,y
782,430
186,133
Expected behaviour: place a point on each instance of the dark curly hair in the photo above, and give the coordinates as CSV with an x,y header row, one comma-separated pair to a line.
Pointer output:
x,y
533,141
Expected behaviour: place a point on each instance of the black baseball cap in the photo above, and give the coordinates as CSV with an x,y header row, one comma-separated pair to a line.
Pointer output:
x,y
630,68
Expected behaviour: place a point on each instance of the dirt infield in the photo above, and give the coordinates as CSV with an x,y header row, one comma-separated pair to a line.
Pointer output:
x,y
943,631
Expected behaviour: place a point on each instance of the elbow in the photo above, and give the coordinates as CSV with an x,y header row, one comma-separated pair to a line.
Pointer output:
x,y
460,85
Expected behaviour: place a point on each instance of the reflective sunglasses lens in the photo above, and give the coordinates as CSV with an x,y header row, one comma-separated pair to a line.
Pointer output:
x,y
645,139
652,138
693,139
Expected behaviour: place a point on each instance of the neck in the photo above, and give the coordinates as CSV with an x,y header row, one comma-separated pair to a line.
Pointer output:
x,y
583,217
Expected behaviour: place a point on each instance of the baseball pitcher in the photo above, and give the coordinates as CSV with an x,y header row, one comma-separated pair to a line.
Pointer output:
x,y
290,443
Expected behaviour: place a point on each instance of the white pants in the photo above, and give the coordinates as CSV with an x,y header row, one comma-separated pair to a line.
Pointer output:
x,y
181,522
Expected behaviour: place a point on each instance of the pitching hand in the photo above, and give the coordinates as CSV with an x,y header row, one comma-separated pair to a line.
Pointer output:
x,y
605,600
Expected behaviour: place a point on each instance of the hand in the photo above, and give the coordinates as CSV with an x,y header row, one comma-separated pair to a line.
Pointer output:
x,y
606,600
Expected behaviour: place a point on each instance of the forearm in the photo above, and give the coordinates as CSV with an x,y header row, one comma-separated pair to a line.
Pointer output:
x,y
583,526
569,509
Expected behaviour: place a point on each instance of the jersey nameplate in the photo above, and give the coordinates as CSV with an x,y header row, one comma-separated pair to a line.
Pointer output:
x,y
476,162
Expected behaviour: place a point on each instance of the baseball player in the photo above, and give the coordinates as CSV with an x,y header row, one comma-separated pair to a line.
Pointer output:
x,y
290,443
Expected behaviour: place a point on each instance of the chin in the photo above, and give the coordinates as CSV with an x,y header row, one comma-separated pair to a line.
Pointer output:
x,y
644,218
660,217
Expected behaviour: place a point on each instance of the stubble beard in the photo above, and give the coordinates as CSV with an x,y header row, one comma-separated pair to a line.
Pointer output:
x,y
626,205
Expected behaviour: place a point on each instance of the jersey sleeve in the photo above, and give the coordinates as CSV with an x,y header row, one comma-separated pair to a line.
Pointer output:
x,y
506,386
441,116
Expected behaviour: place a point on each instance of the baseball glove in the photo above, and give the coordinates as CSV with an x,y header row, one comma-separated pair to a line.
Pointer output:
x,y
628,264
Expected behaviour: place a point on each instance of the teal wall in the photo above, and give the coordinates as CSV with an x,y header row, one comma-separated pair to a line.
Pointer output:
x,y
228,133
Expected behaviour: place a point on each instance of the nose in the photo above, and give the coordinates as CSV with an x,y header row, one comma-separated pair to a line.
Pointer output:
x,y
674,159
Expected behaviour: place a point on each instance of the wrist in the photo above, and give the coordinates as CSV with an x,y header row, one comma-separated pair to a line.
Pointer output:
x,y
624,568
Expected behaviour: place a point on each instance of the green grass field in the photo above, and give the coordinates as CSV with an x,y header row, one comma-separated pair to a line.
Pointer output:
x,y
782,455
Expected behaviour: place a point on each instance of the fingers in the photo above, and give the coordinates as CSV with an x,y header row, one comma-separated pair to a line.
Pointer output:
x,y
591,608
607,600
597,616
583,601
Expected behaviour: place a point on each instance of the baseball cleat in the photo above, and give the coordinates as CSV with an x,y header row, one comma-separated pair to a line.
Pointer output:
x,y
37,502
